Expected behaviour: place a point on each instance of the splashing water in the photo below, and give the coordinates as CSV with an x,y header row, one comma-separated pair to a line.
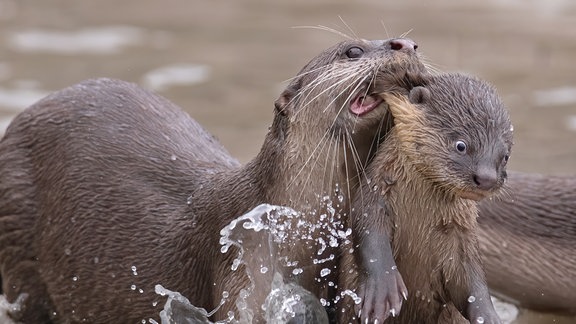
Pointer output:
x,y
260,237
7,307
178,309
291,302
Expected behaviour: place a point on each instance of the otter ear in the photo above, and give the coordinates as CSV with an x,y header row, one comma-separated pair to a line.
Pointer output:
x,y
283,102
419,95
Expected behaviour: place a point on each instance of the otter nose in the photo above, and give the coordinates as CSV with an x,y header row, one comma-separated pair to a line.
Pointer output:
x,y
406,44
485,178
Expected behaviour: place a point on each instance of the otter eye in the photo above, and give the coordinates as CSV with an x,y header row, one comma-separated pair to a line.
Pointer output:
x,y
354,52
461,146
506,158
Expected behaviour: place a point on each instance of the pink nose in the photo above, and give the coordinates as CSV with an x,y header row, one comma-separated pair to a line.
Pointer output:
x,y
403,44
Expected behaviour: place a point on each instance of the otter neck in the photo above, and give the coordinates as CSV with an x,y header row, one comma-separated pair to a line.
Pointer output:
x,y
412,194
317,167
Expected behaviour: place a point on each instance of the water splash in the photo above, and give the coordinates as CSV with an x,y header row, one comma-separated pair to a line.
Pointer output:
x,y
292,303
7,307
179,310
261,238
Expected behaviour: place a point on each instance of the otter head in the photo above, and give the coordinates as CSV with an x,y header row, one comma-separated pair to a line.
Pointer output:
x,y
331,111
457,134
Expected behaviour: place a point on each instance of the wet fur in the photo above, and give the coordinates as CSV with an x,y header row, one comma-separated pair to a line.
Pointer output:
x,y
414,202
527,238
104,175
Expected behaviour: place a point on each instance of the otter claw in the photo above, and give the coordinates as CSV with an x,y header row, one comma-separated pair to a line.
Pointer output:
x,y
393,312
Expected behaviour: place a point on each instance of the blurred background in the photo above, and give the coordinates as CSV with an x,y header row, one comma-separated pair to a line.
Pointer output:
x,y
225,61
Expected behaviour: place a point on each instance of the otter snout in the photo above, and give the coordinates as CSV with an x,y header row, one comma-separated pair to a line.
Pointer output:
x,y
485,178
399,44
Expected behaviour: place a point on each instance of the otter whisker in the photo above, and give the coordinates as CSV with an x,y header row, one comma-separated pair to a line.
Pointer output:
x,y
348,26
350,95
403,35
385,29
323,78
358,83
325,28
334,85
308,72
325,139
322,142
433,68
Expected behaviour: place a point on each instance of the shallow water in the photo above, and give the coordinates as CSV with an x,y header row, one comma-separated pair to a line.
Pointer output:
x,y
224,61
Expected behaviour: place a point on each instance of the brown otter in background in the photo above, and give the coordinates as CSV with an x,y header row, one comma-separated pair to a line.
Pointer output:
x,y
528,240
447,149
108,189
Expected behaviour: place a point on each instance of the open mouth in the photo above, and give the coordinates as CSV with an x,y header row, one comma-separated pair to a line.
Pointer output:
x,y
362,104
473,195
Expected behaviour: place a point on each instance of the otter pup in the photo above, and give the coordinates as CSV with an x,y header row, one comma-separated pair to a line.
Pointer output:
x,y
417,235
108,189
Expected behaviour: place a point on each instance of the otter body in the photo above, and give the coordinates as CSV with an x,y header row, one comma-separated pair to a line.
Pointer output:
x,y
527,239
108,189
417,234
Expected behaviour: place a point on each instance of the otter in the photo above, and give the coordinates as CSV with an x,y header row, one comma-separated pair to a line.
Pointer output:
x,y
108,189
527,238
415,223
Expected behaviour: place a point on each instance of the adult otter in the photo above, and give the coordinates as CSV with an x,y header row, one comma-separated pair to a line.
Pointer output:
x,y
527,239
108,189
447,149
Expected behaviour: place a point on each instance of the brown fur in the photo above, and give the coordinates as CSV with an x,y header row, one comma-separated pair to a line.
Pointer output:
x,y
421,203
104,175
527,239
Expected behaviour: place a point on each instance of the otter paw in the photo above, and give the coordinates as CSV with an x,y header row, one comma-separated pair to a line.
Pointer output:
x,y
382,296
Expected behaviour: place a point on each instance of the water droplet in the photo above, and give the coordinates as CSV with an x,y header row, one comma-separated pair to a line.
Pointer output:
x,y
96,260
323,302
189,200
324,272
155,303
74,278
141,290
471,299
480,320
225,294
134,270
394,268
235,264
263,269
67,251
133,287
173,157
372,260
297,271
